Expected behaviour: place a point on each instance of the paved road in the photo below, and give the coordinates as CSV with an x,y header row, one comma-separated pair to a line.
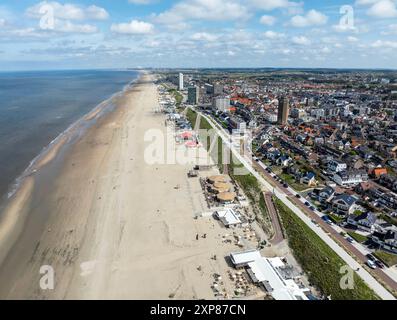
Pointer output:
x,y
278,231
304,214
329,229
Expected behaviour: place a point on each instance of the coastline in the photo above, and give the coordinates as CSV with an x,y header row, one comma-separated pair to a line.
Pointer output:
x,y
113,226
13,205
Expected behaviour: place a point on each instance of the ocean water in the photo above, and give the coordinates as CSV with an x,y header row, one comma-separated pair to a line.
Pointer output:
x,y
36,107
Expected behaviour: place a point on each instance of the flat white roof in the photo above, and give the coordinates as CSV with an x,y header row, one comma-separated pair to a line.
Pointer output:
x,y
265,271
228,217
245,257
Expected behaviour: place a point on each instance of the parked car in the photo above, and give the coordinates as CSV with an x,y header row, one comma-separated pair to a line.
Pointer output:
x,y
307,204
379,264
312,208
285,185
370,257
327,220
350,239
298,196
371,264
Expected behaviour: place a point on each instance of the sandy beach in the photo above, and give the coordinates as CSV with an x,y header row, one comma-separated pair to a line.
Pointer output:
x,y
113,226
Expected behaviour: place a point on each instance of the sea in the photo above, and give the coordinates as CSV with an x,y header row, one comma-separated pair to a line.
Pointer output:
x,y
37,107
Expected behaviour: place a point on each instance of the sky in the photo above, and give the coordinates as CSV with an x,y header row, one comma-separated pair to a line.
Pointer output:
x,y
91,34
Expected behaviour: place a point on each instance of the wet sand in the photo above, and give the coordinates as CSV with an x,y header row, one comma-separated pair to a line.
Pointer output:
x,y
113,226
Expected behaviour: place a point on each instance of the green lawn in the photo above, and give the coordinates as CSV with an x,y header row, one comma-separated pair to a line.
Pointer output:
x,y
191,117
291,181
389,259
318,260
178,97
389,219
335,218
358,237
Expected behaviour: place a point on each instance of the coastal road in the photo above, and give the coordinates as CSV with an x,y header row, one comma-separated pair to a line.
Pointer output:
x,y
330,230
336,244
278,231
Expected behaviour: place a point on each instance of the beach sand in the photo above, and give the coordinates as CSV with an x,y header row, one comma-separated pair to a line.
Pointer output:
x,y
113,226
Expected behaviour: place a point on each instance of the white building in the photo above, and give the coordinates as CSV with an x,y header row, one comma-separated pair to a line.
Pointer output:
x,y
271,117
228,217
268,273
221,104
180,86
350,178
336,166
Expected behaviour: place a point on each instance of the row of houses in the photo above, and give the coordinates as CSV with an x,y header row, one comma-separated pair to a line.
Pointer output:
x,y
381,233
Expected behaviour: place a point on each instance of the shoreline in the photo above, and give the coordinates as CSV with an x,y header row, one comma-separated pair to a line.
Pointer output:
x,y
23,186
50,151
115,227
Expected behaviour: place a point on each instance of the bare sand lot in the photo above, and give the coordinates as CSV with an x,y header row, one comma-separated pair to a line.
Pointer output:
x,y
117,227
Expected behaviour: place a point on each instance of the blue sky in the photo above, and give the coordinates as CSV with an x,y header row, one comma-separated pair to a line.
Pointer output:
x,y
197,33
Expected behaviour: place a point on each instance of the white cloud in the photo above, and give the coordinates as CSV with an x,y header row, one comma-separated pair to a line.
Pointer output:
x,y
312,18
203,36
392,29
267,20
69,11
385,44
352,39
212,10
301,40
269,5
325,50
273,35
383,9
133,27
69,27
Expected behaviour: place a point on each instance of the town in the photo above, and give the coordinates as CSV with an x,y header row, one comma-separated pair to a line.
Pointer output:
x,y
327,139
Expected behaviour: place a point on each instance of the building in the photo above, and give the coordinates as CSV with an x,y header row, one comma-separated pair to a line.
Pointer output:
x,y
386,239
193,95
297,113
221,104
344,204
336,166
218,89
350,178
209,88
180,85
326,194
228,217
364,221
271,117
271,274
283,111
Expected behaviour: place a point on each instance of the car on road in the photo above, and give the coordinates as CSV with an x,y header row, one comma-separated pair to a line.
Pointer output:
x,y
314,222
371,264
327,220
370,257
350,239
